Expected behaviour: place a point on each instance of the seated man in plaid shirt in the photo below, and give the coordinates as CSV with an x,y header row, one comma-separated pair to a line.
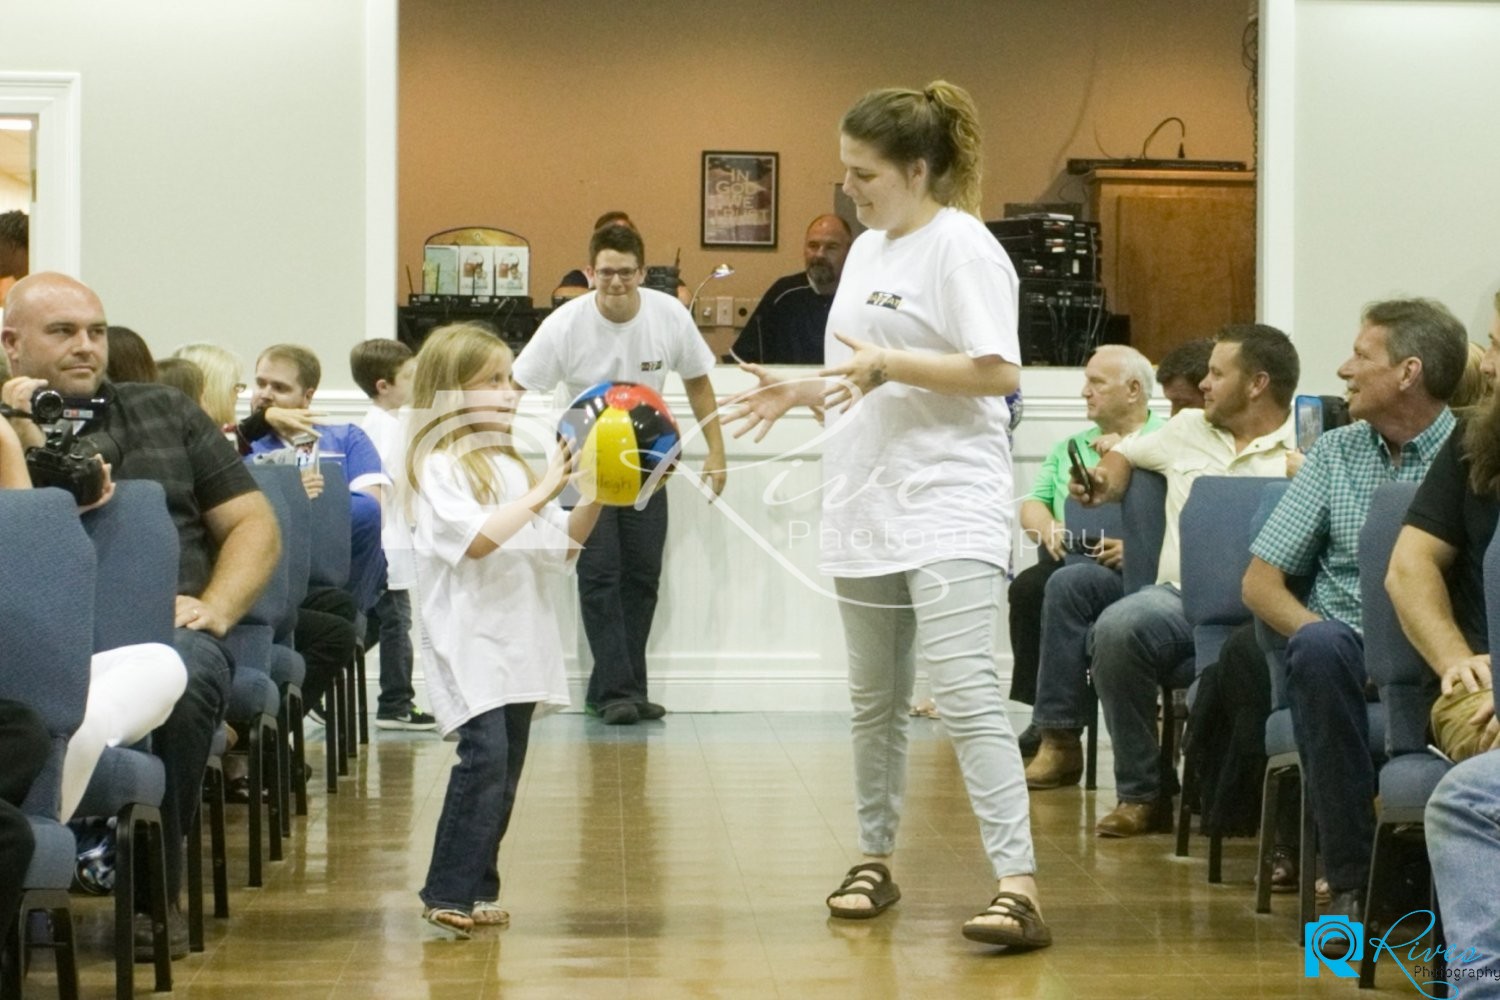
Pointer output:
x,y
1407,361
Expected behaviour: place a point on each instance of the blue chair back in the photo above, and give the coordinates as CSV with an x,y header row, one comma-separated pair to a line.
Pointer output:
x,y
1216,531
282,485
331,529
1143,514
1407,686
136,548
46,622
1270,641
1091,521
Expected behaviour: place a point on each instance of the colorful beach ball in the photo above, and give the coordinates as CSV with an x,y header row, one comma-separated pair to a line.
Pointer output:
x,y
626,438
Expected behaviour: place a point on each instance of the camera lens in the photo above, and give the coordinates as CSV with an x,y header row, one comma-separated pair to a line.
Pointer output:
x,y
46,406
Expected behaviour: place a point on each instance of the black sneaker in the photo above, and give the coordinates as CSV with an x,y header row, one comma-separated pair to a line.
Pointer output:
x,y
649,711
413,720
621,713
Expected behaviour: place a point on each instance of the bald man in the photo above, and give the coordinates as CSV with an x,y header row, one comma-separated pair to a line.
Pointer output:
x,y
54,334
787,327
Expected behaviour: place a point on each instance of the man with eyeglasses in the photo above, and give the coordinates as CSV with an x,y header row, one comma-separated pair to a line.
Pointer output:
x,y
622,332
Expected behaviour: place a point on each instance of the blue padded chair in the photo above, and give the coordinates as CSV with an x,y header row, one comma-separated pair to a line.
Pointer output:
x,y
46,641
331,520
1216,534
283,488
1143,512
255,708
1082,521
135,546
1407,690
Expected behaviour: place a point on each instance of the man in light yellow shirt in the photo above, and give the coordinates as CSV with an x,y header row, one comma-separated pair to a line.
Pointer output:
x,y
1131,645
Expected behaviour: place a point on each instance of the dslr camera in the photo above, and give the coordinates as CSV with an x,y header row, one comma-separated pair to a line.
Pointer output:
x,y
64,461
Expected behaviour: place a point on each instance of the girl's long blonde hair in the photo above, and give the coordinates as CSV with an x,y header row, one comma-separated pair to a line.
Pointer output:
x,y
450,358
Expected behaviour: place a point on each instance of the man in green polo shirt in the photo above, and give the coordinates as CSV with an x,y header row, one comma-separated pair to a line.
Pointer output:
x,y
1117,386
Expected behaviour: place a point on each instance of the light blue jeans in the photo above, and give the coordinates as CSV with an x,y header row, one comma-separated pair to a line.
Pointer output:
x,y
941,619
1463,841
1130,646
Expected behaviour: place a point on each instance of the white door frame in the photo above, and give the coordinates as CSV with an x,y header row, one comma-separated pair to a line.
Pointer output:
x,y
56,227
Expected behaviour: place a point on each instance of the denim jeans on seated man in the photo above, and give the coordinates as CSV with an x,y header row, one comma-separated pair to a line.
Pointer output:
x,y
1130,646
184,743
1463,841
1325,690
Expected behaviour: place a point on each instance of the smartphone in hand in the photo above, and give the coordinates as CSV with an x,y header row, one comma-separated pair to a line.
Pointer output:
x,y
1080,471
1309,413
306,446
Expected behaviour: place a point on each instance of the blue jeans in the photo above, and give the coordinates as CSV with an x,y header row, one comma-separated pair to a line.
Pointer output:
x,y
1136,644
389,623
1463,841
618,572
893,624
1325,689
476,809
185,740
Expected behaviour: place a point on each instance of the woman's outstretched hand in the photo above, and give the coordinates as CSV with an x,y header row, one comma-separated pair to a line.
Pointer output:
x,y
861,374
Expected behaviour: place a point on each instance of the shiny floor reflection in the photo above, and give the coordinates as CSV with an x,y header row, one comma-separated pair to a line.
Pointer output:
x,y
690,858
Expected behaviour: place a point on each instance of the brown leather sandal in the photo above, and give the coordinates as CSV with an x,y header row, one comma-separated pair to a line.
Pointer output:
x,y
1031,933
869,879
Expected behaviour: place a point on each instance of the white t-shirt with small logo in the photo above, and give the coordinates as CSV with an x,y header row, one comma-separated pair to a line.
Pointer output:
x,y
577,347
914,477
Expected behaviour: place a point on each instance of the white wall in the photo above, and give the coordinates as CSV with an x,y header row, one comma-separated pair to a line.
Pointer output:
x,y
1378,165
223,162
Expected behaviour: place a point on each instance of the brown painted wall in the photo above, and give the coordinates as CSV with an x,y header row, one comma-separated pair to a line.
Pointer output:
x,y
537,117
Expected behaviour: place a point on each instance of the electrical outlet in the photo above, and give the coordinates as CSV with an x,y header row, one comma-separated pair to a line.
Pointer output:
x,y
743,308
724,310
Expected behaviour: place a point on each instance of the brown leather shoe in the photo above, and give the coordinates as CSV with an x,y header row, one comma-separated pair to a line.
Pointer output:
x,y
1058,763
1130,819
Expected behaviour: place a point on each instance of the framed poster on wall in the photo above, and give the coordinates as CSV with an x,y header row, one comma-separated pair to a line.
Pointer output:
x,y
739,199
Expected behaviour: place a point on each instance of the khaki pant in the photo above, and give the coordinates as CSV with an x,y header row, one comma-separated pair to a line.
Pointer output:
x,y
1450,722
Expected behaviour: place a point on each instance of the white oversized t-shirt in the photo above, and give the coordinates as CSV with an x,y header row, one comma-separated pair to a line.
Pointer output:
x,y
491,629
577,347
384,429
913,477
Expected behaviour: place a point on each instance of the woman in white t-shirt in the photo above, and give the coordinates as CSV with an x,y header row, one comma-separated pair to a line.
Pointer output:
x,y
487,538
921,351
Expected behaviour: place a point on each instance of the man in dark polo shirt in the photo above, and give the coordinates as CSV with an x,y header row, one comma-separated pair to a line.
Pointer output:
x,y
1436,583
787,326
54,335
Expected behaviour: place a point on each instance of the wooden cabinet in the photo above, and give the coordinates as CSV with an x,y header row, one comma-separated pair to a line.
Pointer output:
x,y
1177,251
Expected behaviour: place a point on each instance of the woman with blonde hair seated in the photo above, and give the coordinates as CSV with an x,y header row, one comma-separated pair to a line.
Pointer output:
x,y
221,380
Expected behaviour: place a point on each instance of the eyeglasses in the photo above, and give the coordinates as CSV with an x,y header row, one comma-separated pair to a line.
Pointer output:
x,y
623,273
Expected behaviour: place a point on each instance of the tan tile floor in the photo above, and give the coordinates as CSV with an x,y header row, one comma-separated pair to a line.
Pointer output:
x,y
690,858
